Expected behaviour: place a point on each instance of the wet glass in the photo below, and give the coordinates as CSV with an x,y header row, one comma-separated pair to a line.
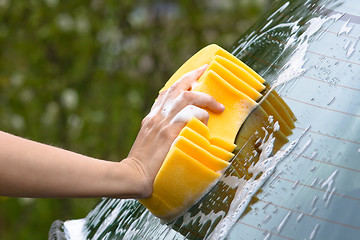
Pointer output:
x,y
296,174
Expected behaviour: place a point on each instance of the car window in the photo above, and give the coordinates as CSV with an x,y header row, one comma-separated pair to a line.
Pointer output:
x,y
296,173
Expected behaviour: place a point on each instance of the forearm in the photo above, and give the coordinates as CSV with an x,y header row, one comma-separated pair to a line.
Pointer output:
x,y
31,169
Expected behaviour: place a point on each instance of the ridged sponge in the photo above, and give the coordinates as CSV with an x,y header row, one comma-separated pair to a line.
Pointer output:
x,y
201,152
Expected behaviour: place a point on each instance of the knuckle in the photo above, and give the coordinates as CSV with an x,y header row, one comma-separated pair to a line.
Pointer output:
x,y
187,96
166,132
149,121
206,97
145,121
210,98
172,88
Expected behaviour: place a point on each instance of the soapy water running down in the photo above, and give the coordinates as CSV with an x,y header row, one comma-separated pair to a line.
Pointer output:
x,y
319,187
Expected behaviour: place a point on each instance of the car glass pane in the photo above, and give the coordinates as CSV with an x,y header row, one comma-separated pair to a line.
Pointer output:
x,y
297,170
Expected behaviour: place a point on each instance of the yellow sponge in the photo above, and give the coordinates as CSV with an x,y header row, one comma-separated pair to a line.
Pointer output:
x,y
180,181
241,73
205,56
202,152
204,143
201,155
233,80
237,106
199,127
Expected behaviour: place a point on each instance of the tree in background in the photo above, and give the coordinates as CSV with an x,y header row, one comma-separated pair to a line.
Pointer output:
x,y
81,75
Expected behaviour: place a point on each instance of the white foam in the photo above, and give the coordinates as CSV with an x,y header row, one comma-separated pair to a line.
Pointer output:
x,y
270,119
351,48
304,148
243,195
188,112
279,10
276,126
345,29
329,197
294,67
328,184
75,228
266,25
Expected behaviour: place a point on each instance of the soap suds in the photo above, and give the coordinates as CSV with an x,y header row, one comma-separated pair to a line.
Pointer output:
x,y
243,195
294,67
266,25
279,10
75,228
351,48
345,29
187,113
328,184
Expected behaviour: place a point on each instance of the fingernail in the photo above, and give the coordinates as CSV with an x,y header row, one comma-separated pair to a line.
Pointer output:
x,y
222,106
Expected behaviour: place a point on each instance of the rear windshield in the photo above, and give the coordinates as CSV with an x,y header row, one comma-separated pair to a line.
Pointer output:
x,y
297,170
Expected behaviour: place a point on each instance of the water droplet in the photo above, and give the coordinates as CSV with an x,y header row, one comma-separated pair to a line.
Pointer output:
x,y
313,202
295,184
299,218
275,210
267,218
268,236
313,211
331,102
283,222
314,231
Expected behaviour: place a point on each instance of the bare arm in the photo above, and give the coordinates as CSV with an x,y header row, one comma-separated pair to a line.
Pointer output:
x,y
31,169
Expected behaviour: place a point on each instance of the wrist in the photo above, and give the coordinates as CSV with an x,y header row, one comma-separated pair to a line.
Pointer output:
x,y
140,185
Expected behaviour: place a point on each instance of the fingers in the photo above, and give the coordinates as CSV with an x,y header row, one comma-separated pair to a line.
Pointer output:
x,y
199,99
172,110
176,99
178,105
187,113
186,81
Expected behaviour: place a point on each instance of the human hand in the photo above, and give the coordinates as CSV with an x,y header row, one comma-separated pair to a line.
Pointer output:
x,y
170,113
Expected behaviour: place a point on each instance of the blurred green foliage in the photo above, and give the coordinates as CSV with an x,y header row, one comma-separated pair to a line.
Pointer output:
x,y
81,75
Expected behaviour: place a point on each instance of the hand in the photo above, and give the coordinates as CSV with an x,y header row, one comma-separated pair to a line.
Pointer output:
x,y
170,113
31,169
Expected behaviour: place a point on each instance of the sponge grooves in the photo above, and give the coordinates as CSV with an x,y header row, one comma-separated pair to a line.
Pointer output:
x,y
201,153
